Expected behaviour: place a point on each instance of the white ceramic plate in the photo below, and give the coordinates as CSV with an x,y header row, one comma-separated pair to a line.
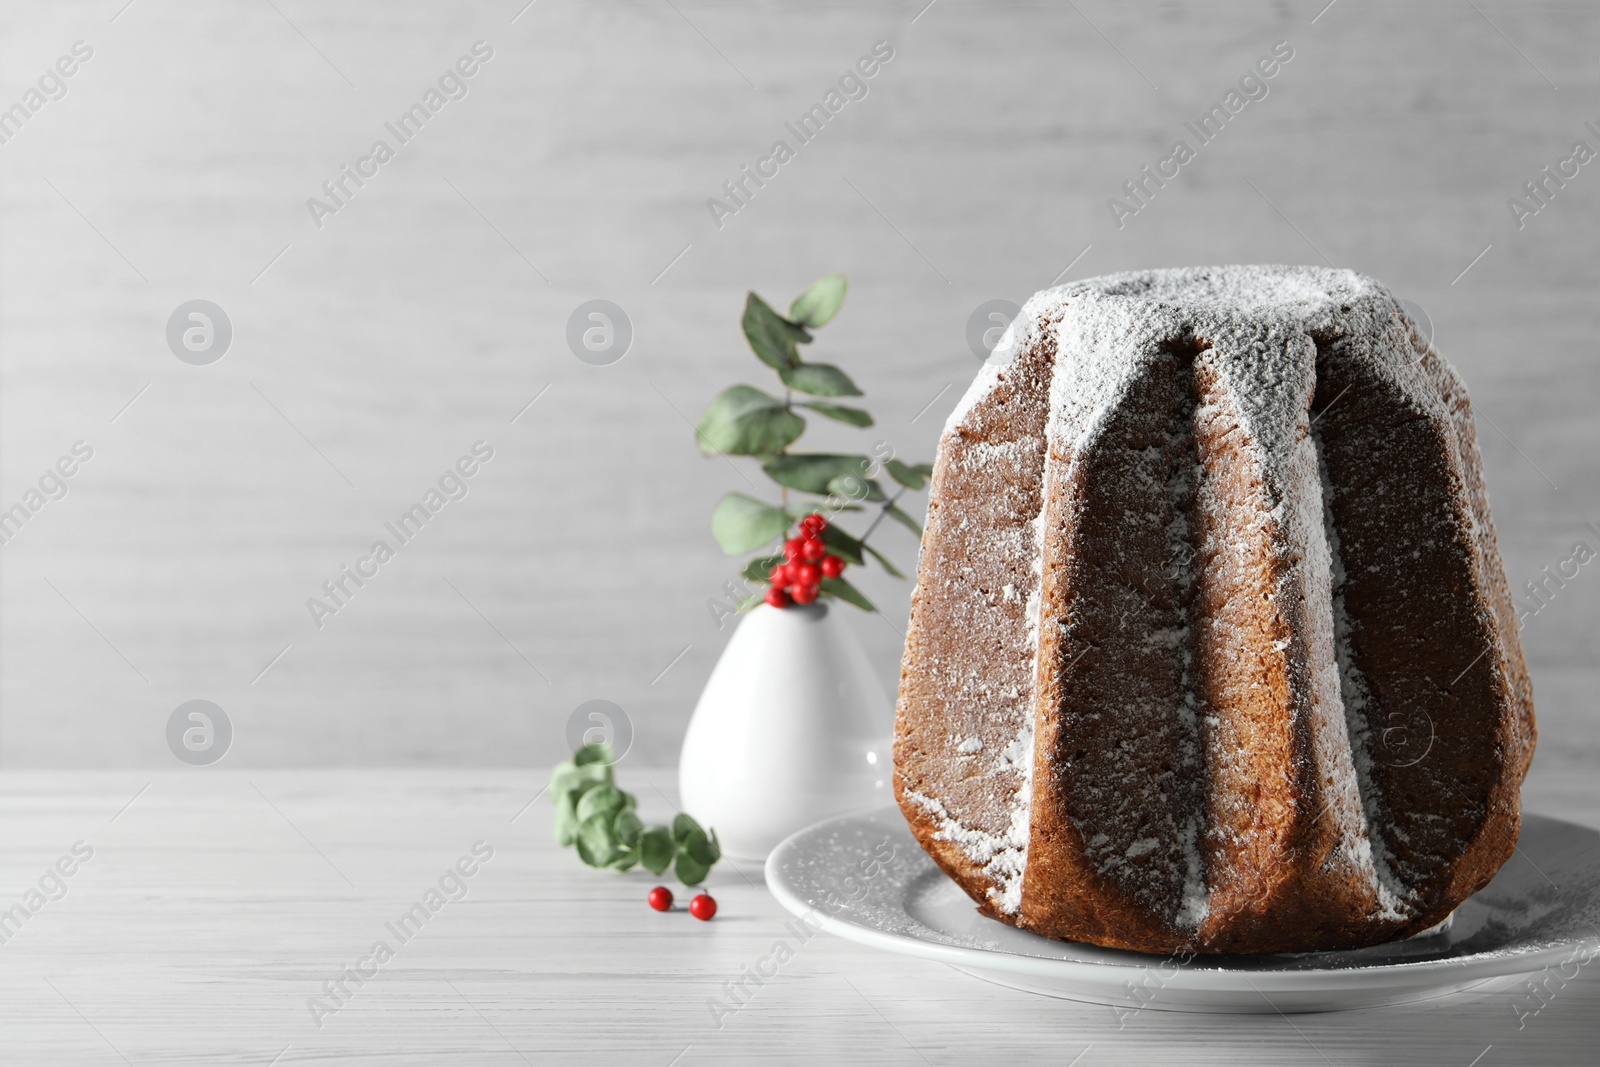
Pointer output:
x,y
864,877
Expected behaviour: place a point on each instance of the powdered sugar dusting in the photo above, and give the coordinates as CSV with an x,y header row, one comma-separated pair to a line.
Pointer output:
x,y
1003,859
979,763
1018,333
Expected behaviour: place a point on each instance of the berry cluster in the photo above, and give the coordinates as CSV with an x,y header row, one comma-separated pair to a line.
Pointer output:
x,y
702,907
799,580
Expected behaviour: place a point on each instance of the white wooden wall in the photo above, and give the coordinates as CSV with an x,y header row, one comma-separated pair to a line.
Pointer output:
x,y
370,353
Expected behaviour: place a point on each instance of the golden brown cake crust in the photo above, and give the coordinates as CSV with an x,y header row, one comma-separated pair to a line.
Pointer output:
x,y
1211,647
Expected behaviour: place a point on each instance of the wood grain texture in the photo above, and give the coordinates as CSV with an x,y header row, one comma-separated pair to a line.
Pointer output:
x,y
416,321
218,903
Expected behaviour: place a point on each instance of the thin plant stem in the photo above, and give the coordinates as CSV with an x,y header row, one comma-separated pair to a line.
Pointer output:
x,y
783,490
882,513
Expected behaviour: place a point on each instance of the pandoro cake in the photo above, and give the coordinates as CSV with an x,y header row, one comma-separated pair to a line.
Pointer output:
x,y
1211,647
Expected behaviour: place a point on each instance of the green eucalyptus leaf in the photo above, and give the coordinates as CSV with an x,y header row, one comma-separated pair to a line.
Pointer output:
x,y
689,870
716,846
883,561
605,799
596,845
656,848
624,861
904,520
682,826
772,337
818,379
566,817
568,782
855,487
907,475
698,846
744,421
760,568
742,523
576,777
848,593
843,545
813,472
626,828
598,752
839,413
820,302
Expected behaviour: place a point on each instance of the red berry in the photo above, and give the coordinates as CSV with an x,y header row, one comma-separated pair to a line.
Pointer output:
x,y
703,907
779,576
660,898
791,548
803,594
812,550
812,525
777,597
805,574
832,566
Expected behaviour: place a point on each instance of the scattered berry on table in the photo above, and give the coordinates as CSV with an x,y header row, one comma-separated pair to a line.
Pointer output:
x,y
660,898
703,907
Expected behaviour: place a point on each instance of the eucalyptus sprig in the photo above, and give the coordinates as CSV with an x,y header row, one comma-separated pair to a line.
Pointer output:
x,y
746,421
600,819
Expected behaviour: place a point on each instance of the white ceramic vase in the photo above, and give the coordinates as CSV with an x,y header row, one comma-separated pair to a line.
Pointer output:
x,y
792,727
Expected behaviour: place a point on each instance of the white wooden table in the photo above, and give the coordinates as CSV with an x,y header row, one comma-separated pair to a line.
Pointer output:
x,y
217,904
